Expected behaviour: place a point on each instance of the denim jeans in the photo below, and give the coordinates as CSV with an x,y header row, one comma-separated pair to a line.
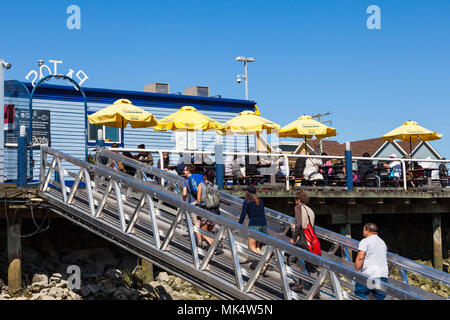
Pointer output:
x,y
362,290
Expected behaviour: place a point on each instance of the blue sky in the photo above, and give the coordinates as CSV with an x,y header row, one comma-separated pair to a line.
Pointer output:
x,y
311,56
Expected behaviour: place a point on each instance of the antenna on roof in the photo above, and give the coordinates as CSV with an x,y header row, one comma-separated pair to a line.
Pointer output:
x,y
324,122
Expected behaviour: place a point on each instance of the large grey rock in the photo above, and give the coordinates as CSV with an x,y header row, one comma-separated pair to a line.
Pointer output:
x,y
62,284
94,288
125,294
85,291
74,296
108,287
56,277
162,277
38,286
113,273
40,277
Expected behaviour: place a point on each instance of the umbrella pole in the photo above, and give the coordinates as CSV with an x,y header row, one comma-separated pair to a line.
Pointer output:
x,y
248,147
306,146
123,135
410,151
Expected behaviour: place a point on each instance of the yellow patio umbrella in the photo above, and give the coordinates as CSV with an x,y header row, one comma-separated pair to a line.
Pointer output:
x,y
306,127
122,113
249,122
412,132
189,119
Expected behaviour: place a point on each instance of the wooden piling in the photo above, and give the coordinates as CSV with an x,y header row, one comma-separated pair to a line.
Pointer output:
x,y
14,244
437,241
147,268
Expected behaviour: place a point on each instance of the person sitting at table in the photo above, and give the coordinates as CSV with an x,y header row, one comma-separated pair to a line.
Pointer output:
x,y
203,159
281,167
128,169
396,170
327,172
299,167
311,172
251,164
118,165
237,168
228,164
365,169
145,157
166,162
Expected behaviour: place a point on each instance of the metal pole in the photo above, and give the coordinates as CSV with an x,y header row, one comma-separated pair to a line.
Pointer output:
x,y
348,166
22,159
218,149
2,103
246,81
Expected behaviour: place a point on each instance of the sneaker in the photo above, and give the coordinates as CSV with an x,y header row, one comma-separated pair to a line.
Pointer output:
x,y
218,251
297,289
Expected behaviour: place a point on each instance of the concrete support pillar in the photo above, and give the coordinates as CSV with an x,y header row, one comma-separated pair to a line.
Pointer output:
x,y
14,244
147,268
346,230
437,241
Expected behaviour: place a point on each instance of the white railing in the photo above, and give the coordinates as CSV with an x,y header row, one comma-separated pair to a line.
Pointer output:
x,y
286,158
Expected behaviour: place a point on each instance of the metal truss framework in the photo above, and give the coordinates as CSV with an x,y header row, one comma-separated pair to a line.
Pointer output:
x,y
151,220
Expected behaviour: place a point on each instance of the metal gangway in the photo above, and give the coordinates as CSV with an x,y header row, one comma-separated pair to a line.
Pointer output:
x,y
150,219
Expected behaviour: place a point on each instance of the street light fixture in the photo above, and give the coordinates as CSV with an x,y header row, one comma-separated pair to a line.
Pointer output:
x,y
244,76
3,65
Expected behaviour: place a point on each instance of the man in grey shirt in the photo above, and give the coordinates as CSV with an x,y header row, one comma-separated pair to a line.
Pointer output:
x,y
372,261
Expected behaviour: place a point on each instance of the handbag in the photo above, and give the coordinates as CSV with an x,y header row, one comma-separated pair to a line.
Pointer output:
x,y
308,240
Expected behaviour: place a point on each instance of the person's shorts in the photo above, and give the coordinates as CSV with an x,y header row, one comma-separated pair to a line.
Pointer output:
x,y
262,229
211,223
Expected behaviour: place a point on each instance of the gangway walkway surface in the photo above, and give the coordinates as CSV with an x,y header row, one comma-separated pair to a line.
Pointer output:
x,y
151,220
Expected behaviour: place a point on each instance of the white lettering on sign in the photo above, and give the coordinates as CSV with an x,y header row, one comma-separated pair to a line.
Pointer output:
x,y
45,70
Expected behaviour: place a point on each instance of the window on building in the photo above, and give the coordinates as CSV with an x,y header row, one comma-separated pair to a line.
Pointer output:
x,y
111,134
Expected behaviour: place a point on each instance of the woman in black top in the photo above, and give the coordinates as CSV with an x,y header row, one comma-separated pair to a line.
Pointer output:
x,y
254,207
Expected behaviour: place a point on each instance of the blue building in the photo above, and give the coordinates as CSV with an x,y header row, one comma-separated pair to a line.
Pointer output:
x,y
60,115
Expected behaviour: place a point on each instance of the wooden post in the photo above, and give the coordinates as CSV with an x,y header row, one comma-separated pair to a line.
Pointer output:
x,y
14,253
437,241
147,268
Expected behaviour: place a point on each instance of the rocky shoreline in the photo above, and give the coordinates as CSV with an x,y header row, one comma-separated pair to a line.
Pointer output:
x,y
106,272
100,280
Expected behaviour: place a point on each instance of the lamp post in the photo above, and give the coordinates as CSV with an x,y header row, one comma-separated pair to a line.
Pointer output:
x,y
3,65
245,60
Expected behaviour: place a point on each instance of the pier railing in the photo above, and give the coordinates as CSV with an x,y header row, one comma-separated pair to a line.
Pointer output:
x,y
286,158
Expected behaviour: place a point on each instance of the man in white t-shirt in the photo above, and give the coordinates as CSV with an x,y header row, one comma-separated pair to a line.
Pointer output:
x,y
372,261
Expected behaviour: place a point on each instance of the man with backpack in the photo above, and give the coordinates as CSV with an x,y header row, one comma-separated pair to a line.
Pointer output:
x,y
208,198
190,190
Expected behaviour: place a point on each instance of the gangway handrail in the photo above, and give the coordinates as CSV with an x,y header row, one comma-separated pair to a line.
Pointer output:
x,y
286,220
278,247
